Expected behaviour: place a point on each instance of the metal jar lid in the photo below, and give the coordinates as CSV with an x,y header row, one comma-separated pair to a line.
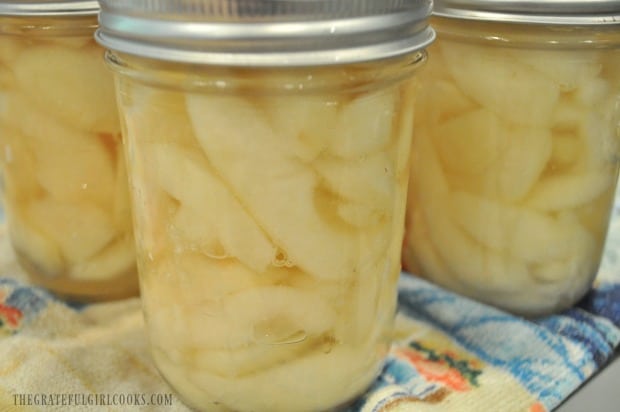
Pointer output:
x,y
265,32
49,8
550,12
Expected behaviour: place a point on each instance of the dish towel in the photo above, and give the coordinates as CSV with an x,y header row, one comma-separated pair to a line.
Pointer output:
x,y
449,353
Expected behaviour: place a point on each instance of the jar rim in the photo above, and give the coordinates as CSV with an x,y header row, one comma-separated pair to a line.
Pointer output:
x,y
266,33
18,8
548,12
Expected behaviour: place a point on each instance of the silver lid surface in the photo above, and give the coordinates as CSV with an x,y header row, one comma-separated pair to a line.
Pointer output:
x,y
49,8
265,32
551,12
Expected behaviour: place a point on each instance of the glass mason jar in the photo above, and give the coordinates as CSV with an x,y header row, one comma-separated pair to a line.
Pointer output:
x,y
516,155
65,182
268,161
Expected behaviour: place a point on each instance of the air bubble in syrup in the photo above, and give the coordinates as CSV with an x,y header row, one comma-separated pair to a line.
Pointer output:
x,y
281,259
278,331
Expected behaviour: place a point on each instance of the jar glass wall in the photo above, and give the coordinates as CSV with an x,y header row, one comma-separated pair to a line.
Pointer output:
x,y
515,161
269,210
65,183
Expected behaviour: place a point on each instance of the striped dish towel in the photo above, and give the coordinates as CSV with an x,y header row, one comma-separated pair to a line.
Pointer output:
x,y
449,353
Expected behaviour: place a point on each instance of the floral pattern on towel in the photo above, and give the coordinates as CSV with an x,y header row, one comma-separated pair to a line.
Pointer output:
x,y
18,303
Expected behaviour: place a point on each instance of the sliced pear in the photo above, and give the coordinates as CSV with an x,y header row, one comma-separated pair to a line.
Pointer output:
x,y
166,324
122,203
23,114
599,132
564,275
341,373
201,279
582,260
71,165
526,156
568,115
360,215
473,264
514,91
280,192
592,91
567,191
262,315
569,69
485,155
187,177
82,171
370,302
427,175
470,262
525,234
153,210
369,181
177,377
558,285
72,85
247,360
365,124
157,116
19,168
595,215
115,260
33,245
179,172
203,282
306,126
471,143
276,388
196,230
400,149
232,119
335,292
566,149
420,252
79,229
446,100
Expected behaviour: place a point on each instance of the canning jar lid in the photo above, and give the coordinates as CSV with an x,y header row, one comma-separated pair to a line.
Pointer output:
x,y
550,12
265,32
49,8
